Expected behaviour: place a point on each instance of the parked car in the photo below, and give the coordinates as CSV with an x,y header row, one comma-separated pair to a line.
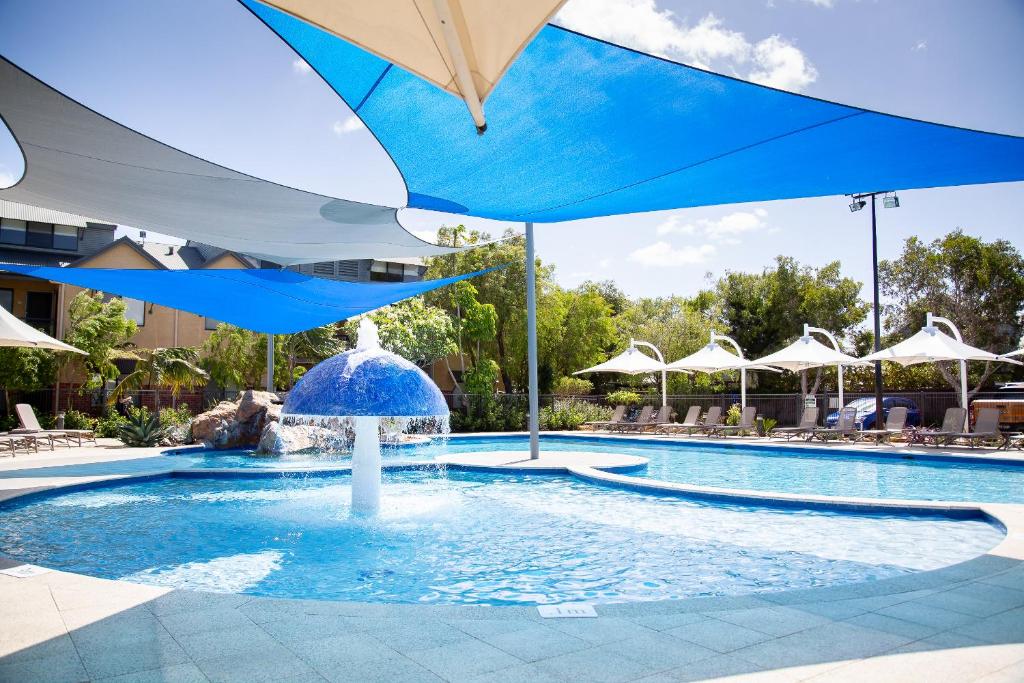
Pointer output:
x,y
866,411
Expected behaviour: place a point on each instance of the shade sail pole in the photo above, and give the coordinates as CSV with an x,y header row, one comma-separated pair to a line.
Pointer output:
x,y
463,76
743,371
270,362
835,344
531,342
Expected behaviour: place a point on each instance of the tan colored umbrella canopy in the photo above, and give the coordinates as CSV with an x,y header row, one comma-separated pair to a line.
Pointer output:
x,y
461,46
14,332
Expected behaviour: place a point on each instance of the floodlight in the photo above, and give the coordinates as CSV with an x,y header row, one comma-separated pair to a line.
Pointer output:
x,y
857,204
891,201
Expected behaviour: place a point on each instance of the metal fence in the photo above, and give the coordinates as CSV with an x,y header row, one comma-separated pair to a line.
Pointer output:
x,y
785,408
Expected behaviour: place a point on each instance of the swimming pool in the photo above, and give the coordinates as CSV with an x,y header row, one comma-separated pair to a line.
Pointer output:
x,y
449,537
733,465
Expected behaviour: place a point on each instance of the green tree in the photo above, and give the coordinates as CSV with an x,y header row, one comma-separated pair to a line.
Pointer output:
x,y
98,328
412,329
23,369
165,368
311,346
978,285
766,311
235,357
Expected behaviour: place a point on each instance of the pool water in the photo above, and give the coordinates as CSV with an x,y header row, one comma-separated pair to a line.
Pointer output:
x,y
762,468
447,537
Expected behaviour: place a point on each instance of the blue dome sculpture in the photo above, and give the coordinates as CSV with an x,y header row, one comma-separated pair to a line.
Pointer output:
x,y
366,381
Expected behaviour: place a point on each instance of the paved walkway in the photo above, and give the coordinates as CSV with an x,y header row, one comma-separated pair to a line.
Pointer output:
x,y
960,623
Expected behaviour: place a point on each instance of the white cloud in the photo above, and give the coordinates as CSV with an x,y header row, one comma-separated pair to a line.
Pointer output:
x,y
604,263
821,3
6,179
920,45
349,125
781,64
724,229
300,66
663,254
642,25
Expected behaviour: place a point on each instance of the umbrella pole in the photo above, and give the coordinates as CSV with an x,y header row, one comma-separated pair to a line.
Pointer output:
x,y
743,387
531,342
840,368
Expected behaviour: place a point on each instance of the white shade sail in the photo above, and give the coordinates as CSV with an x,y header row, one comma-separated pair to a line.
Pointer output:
x,y
930,345
462,46
713,358
14,332
80,162
806,353
632,361
1013,354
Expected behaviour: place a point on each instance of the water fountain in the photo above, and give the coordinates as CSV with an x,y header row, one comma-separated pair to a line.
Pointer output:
x,y
358,389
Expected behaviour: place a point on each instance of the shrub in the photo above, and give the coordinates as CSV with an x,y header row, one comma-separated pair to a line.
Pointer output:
x,y
570,414
176,416
572,386
142,429
76,419
624,398
109,426
490,414
769,424
734,414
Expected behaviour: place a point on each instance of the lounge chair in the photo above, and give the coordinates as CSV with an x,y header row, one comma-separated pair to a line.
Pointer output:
x,y
846,425
661,418
642,419
13,442
746,424
952,423
894,423
692,419
986,427
808,422
712,419
618,415
30,425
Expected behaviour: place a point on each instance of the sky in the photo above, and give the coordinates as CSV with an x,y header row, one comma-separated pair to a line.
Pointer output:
x,y
207,77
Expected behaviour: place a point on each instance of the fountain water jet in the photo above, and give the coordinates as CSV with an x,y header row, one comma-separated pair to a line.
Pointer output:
x,y
359,388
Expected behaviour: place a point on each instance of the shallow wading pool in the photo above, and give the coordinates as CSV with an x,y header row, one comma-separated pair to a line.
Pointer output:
x,y
452,537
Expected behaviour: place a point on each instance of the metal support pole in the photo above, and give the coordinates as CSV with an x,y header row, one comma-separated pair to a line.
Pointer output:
x,y
878,317
743,371
661,358
835,345
531,342
270,362
930,321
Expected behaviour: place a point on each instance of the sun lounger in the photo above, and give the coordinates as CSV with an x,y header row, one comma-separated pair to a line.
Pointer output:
x,y
808,422
30,425
712,419
12,442
894,423
986,428
746,424
952,424
846,425
661,418
642,420
692,419
618,415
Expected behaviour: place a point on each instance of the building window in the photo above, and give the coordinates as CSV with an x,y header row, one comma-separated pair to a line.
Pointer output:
x,y
65,237
382,271
12,231
135,310
39,311
39,235
210,323
7,299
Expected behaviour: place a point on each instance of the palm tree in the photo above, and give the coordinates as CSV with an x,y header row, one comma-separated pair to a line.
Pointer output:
x,y
174,369
315,345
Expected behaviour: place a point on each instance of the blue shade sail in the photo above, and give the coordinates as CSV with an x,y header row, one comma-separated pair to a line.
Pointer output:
x,y
579,128
272,301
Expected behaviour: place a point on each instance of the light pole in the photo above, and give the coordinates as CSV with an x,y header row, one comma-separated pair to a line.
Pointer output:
x,y
890,201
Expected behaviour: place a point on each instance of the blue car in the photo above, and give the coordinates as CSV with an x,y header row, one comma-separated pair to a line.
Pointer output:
x,y
866,411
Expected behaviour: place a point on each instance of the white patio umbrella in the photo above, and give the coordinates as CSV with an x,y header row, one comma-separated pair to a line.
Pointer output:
x,y
14,332
807,353
713,358
461,46
633,361
931,344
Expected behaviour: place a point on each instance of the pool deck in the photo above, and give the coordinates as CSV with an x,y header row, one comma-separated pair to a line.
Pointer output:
x,y
959,623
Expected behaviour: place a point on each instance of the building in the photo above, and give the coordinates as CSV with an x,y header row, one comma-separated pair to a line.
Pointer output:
x,y
41,237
